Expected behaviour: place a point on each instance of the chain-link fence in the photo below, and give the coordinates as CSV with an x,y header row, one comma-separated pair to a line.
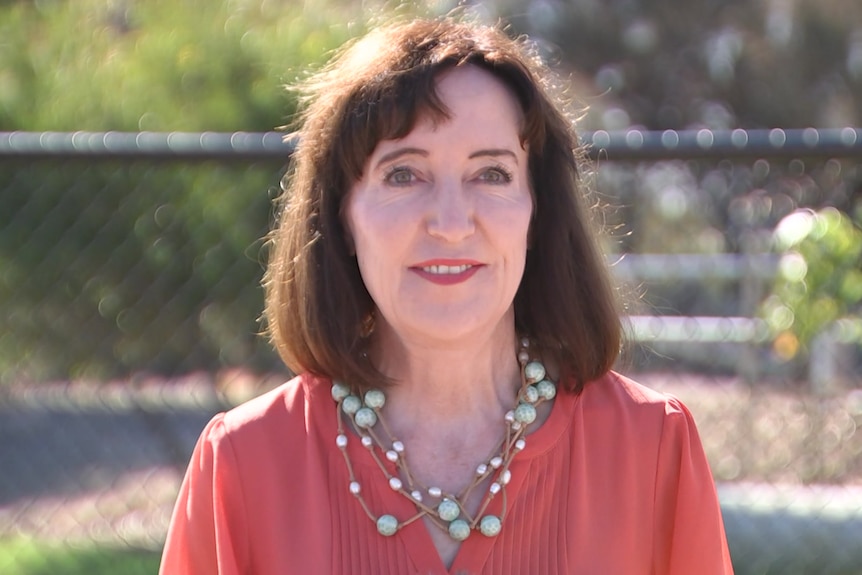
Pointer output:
x,y
129,304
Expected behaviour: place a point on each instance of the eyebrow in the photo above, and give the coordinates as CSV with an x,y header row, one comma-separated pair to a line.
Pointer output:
x,y
494,153
491,152
395,154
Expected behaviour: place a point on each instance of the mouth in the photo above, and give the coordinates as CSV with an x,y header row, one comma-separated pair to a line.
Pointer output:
x,y
446,270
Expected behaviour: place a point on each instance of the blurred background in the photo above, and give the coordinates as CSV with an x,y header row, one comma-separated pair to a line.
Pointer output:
x,y
129,285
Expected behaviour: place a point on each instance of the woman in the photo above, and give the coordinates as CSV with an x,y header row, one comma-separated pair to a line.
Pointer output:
x,y
436,282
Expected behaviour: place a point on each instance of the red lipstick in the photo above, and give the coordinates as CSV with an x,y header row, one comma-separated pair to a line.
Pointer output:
x,y
446,271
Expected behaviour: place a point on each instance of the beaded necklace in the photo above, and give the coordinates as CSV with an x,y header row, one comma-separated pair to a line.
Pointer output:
x,y
445,510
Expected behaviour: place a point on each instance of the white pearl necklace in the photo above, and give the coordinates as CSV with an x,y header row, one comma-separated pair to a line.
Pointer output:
x,y
446,510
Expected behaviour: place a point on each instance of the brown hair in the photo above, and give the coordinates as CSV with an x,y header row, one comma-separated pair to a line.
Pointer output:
x,y
317,306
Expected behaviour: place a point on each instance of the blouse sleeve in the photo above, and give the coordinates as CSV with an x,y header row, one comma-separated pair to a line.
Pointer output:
x,y
208,521
689,531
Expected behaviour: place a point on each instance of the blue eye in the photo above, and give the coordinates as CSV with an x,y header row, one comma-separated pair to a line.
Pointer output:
x,y
399,176
496,175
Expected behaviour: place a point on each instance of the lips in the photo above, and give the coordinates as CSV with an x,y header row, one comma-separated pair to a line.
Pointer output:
x,y
446,272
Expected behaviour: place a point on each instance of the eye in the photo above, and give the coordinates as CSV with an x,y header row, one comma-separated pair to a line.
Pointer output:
x,y
496,175
399,176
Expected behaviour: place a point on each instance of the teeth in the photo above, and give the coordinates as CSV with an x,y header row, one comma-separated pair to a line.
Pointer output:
x,y
447,269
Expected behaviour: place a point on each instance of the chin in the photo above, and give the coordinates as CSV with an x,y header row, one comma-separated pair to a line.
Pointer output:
x,y
454,325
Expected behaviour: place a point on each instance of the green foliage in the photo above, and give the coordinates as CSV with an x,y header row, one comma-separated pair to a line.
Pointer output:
x,y
671,65
160,65
820,276
112,268
22,556
107,269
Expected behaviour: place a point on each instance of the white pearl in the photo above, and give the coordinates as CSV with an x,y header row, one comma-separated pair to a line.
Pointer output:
x,y
398,446
395,483
523,357
417,495
520,444
525,342
496,462
482,469
510,416
435,491
516,425
367,441
495,488
505,477
392,456
354,487
341,440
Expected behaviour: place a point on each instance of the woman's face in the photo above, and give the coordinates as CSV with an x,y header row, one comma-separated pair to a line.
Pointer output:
x,y
439,220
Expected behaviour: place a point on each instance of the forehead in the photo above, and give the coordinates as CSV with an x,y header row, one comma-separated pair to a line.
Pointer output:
x,y
480,109
473,93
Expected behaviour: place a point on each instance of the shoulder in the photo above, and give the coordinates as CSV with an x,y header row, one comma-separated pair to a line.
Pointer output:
x,y
289,396
618,391
629,407
273,416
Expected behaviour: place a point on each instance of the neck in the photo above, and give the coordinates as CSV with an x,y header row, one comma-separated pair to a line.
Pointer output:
x,y
472,381
440,406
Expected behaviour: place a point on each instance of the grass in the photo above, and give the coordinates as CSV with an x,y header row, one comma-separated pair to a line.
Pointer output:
x,y
26,556
774,434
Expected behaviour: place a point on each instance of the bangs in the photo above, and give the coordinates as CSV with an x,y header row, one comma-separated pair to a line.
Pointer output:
x,y
389,107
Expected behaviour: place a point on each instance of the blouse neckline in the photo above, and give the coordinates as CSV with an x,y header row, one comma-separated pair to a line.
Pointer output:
x,y
473,552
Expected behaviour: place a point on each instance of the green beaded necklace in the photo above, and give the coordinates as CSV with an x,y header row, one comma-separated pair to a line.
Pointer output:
x,y
445,510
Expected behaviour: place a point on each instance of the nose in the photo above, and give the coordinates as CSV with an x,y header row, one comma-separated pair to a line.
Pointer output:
x,y
451,214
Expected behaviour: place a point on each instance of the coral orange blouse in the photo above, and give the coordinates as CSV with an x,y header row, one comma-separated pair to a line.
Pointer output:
x,y
615,482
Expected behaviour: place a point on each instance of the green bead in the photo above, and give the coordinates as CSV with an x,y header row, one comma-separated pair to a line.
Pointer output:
x,y
490,525
547,389
459,530
531,394
351,404
387,525
365,417
534,371
525,413
374,398
448,510
339,391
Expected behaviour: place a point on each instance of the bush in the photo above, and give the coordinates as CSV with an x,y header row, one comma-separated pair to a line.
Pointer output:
x,y
111,268
819,279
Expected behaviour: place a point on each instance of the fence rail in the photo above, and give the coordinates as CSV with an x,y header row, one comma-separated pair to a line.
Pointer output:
x,y
628,145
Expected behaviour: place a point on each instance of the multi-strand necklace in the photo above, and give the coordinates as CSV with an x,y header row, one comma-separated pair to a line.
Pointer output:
x,y
445,510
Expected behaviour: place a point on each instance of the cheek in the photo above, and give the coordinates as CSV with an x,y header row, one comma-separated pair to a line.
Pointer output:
x,y
377,246
518,237
518,225
372,232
